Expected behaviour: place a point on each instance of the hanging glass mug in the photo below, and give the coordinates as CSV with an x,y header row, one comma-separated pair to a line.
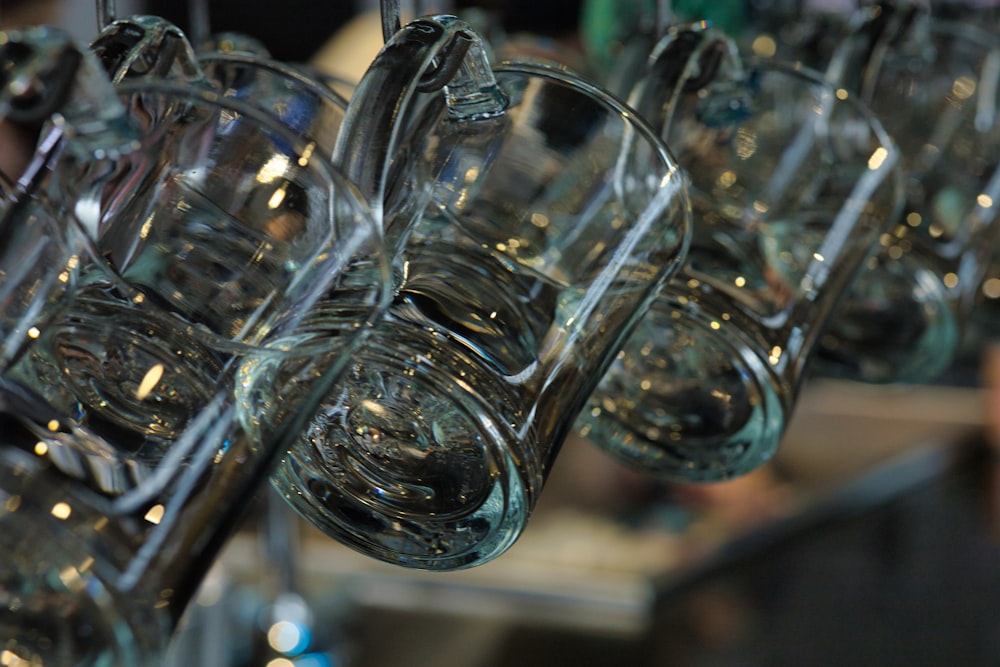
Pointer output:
x,y
554,215
792,182
95,574
934,83
48,80
109,524
198,241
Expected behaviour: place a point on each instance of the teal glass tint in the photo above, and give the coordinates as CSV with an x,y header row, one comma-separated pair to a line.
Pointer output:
x,y
792,182
211,230
550,226
934,83
228,290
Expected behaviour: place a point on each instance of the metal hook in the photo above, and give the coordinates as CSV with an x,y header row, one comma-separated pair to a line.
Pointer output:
x,y
107,13
390,18
447,63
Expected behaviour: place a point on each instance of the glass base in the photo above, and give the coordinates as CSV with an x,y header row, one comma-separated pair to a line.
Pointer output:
x,y
895,325
58,606
413,459
688,399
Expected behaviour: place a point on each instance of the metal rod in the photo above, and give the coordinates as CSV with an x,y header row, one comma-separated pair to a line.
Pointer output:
x,y
390,18
107,12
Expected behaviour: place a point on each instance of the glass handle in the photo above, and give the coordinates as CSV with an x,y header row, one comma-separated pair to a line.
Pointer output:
x,y
161,47
876,28
427,54
687,58
47,76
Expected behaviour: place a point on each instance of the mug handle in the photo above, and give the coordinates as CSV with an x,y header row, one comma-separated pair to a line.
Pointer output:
x,y
429,55
687,58
875,30
49,78
157,45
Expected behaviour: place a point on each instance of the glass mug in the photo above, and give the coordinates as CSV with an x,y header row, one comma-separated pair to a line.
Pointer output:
x,y
200,240
934,84
101,575
554,215
44,72
149,46
792,182
108,531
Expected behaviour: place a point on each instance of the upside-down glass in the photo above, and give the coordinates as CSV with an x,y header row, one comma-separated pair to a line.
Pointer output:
x,y
791,184
934,83
555,215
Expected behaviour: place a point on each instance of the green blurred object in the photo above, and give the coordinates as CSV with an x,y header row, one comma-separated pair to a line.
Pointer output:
x,y
605,25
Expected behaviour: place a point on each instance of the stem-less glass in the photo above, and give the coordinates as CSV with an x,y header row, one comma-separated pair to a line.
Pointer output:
x,y
48,80
110,516
555,215
934,84
792,183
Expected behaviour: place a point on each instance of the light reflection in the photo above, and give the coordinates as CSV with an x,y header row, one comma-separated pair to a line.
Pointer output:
x,y
61,510
155,514
149,381
10,659
984,200
277,197
34,332
307,154
539,220
991,288
727,178
878,158
12,504
273,169
287,637
746,143
764,46
963,87
71,579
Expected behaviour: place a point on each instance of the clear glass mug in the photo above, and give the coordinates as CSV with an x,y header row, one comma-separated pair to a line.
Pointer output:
x,y
555,213
196,243
97,573
934,84
214,356
152,47
46,75
792,182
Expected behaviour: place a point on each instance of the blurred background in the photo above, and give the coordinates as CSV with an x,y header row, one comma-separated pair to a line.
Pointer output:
x,y
870,539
